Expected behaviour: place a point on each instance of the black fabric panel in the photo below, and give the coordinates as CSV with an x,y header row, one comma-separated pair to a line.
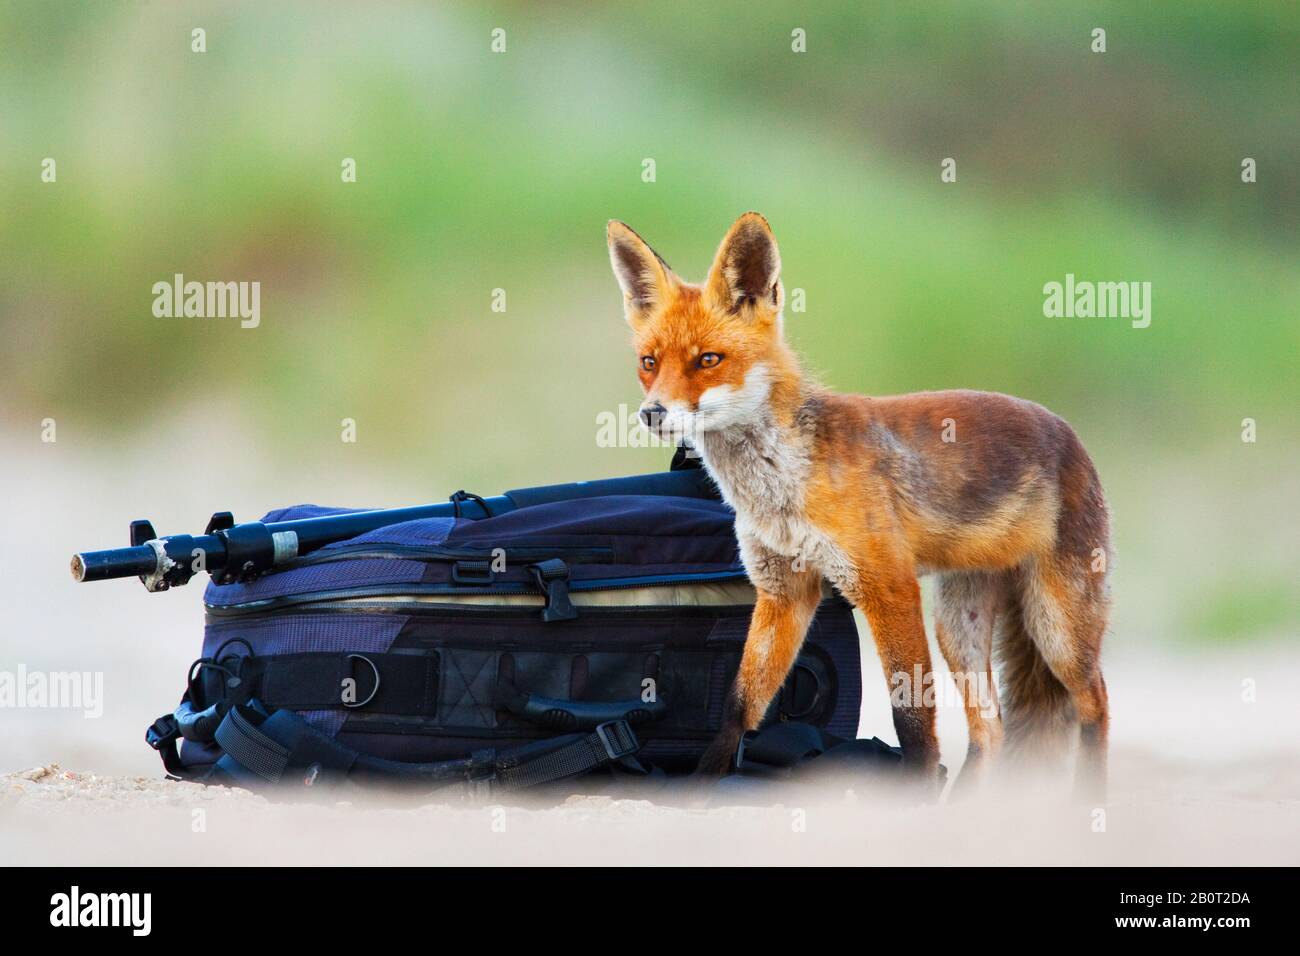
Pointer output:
x,y
692,653
469,680
407,682
438,680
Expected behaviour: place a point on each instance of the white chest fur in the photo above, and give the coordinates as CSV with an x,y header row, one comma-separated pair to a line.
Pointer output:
x,y
762,473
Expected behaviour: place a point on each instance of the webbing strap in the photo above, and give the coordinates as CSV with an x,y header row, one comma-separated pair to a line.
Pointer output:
x,y
386,683
254,750
275,747
608,742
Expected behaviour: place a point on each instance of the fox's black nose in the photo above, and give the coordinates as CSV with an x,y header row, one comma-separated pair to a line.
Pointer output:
x,y
653,414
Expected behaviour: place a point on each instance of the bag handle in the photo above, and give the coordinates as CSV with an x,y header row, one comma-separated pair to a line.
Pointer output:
x,y
557,713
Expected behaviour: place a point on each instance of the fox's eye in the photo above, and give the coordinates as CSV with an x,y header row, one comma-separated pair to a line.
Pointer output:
x,y
648,363
710,359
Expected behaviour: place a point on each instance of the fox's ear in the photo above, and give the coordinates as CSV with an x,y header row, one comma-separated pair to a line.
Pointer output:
x,y
747,269
644,277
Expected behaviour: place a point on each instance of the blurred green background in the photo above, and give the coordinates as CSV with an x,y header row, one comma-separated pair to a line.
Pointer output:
x,y
479,170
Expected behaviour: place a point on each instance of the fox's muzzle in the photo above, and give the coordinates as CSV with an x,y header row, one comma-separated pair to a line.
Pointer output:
x,y
652,415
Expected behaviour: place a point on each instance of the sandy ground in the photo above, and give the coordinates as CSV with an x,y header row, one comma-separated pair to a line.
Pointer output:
x,y
1202,771
1209,779
1230,812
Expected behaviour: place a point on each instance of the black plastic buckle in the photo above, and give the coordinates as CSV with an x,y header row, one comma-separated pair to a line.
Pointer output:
x,y
552,576
618,739
472,573
162,731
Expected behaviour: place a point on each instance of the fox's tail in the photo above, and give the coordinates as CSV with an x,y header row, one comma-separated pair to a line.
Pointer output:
x,y
1039,719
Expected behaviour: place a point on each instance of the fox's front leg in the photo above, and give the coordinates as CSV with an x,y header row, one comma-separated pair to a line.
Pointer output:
x,y
787,601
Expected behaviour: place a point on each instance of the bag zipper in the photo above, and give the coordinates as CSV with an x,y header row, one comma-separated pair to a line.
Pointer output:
x,y
430,553
335,596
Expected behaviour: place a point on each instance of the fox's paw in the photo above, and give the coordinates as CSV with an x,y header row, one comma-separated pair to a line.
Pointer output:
x,y
701,787
920,778
715,764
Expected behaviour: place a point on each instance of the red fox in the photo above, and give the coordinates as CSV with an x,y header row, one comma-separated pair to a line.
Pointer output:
x,y
993,494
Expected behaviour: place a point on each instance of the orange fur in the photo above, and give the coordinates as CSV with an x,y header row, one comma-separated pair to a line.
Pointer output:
x,y
993,493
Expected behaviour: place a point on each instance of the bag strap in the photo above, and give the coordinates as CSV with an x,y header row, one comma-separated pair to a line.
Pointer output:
x,y
386,683
281,747
162,735
183,724
786,747
686,458
533,764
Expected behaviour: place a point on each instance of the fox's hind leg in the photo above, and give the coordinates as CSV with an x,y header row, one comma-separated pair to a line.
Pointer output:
x,y
1064,608
966,606
1051,651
